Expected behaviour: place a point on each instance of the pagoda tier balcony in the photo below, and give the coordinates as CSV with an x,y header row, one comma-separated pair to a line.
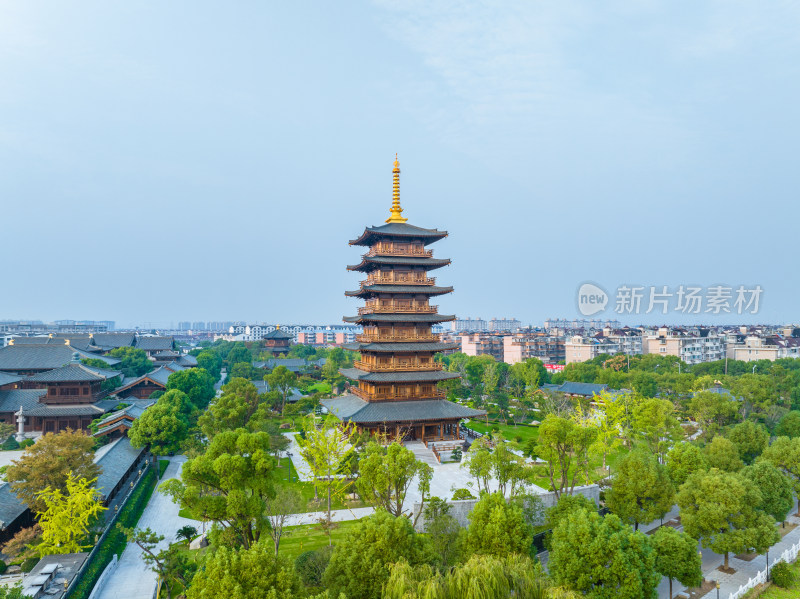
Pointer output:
x,y
396,366
365,395
412,252
397,308
398,278
394,337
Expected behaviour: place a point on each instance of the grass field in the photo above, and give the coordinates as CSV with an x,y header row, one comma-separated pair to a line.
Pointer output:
x,y
775,592
309,537
321,387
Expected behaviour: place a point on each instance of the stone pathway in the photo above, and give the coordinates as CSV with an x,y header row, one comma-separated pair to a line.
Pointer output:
x,y
133,579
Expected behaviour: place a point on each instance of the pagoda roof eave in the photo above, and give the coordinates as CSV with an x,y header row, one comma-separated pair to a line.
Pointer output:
x,y
372,262
398,230
396,317
354,409
400,347
410,289
403,376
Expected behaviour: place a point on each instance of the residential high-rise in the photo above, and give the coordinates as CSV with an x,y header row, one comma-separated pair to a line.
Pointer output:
x,y
394,383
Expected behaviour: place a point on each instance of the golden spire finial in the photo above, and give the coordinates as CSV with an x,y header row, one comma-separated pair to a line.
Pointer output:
x,y
397,211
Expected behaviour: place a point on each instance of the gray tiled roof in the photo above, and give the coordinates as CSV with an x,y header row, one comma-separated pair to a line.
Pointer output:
x,y
74,372
396,317
114,340
43,357
9,379
82,342
159,375
66,410
187,360
400,347
263,387
154,343
11,400
371,234
133,411
278,334
114,463
415,289
397,377
371,262
167,353
355,409
11,507
586,389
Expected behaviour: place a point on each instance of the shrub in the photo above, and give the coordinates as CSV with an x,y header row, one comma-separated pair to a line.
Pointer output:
x,y
3,566
782,575
9,444
28,564
459,494
311,565
26,443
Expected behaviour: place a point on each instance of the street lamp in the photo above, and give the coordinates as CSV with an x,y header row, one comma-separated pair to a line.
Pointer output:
x,y
768,563
717,589
754,368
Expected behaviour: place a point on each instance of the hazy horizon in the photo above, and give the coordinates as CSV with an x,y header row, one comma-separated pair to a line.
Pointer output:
x,y
165,162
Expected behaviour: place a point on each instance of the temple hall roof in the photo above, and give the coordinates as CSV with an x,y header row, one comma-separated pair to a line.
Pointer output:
x,y
11,400
401,230
355,409
401,347
278,334
399,317
74,372
43,357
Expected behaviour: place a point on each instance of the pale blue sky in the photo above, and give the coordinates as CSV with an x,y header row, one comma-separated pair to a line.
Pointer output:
x,y
165,161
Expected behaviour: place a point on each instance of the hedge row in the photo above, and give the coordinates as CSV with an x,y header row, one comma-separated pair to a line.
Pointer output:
x,y
115,541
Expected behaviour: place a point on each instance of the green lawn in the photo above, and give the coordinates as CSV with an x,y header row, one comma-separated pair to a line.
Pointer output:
x,y
321,387
517,435
286,476
774,592
308,537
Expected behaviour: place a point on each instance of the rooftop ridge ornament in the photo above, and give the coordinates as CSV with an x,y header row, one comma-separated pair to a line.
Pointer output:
x,y
397,211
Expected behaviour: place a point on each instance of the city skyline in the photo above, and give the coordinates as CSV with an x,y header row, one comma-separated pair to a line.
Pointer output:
x,y
225,185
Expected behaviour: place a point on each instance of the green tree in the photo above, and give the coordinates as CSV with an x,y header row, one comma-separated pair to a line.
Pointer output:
x,y
281,379
446,535
721,453
482,577
361,562
196,383
750,439
162,427
642,490
712,410
211,362
249,573
789,425
677,557
244,370
776,489
478,462
133,361
565,444
602,557
566,505
386,474
655,422
229,484
161,562
327,449
66,519
287,501
237,353
498,527
231,410
720,509
683,460
48,462
784,454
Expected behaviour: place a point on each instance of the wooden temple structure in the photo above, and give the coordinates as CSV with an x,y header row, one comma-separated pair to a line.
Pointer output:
x,y
394,384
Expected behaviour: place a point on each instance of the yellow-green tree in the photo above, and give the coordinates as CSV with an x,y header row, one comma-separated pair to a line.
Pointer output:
x,y
65,521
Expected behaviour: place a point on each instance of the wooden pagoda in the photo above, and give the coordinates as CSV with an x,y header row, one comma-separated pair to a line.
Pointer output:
x,y
394,389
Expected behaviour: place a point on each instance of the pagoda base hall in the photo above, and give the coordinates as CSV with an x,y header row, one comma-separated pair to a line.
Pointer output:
x,y
394,388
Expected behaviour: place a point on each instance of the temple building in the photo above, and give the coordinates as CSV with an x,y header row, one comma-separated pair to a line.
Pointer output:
x,y
394,389
278,342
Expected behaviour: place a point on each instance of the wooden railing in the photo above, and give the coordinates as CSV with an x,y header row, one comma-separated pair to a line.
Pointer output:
x,y
397,309
396,366
436,394
378,338
412,252
397,280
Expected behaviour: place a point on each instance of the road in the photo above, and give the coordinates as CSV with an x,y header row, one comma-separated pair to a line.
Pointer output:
x,y
133,579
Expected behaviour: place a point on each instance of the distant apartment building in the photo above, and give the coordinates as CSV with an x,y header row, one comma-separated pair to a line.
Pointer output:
x,y
468,324
184,326
693,346
755,347
503,324
522,345
481,344
322,335
578,324
37,327
580,348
